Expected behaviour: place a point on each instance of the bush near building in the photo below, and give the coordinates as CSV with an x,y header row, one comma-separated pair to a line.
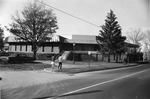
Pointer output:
x,y
134,57
40,56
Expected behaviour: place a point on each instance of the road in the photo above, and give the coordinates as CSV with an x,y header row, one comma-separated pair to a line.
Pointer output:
x,y
126,83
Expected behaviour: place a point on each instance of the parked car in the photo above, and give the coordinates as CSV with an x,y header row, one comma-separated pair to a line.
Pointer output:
x,y
3,56
4,53
20,57
3,59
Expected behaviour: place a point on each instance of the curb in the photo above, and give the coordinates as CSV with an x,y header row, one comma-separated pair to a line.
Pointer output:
x,y
92,70
50,70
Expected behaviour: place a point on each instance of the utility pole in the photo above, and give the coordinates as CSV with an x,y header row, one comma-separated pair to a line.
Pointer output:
x,y
74,52
89,53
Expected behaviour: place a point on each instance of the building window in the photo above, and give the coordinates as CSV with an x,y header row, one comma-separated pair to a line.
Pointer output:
x,y
13,48
29,49
18,48
56,49
47,49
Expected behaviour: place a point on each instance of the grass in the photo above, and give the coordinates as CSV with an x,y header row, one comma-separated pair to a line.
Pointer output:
x,y
80,70
23,66
88,69
40,66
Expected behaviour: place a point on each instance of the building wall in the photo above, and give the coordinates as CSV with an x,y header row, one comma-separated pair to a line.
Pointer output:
x,y
28,48
59,44
52,45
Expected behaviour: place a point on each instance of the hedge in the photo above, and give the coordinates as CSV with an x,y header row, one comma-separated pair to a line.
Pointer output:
x,y
133,57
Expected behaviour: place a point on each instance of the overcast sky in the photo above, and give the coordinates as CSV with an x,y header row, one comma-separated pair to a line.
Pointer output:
x,y
130,14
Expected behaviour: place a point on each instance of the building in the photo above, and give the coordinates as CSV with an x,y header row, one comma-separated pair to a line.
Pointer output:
x,y
56,44
79,44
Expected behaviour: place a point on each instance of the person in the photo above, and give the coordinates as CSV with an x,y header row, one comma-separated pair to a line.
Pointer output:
x,y
125,59
60,60
53,61
144,56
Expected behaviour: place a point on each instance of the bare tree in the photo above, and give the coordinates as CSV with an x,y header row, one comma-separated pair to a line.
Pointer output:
x,y
147,42
135,36
1,38
34,24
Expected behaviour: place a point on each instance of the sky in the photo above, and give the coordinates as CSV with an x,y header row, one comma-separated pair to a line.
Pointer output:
x,y
129,13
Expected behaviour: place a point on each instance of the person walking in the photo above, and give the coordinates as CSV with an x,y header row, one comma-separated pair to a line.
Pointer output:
x,y
60,60
53,62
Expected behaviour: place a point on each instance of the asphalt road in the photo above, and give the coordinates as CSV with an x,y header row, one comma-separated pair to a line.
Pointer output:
x,y
127,83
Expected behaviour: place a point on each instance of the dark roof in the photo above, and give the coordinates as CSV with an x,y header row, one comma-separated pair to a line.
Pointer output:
x,y
55,38
132,45
80,39
84,39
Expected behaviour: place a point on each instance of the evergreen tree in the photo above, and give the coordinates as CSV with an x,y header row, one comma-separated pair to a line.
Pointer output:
x,y
110,37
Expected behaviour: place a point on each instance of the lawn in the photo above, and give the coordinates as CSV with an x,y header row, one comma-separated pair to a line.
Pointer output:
x,y
80,70
23,66
76,69
41,66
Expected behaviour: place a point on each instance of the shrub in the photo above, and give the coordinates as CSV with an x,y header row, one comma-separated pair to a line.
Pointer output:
x,y
133,57
86,57
40,56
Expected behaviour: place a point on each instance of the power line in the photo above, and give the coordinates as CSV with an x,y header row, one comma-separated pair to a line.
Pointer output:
x,y
68,13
